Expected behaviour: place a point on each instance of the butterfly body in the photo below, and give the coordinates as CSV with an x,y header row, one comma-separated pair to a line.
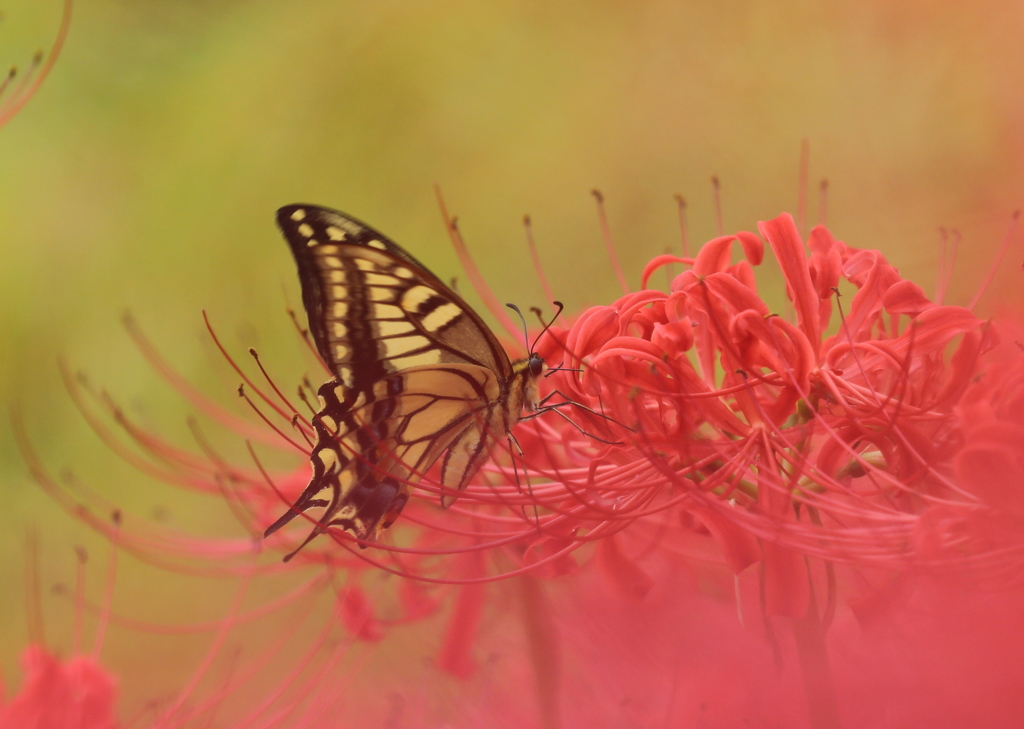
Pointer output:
x,y
418,376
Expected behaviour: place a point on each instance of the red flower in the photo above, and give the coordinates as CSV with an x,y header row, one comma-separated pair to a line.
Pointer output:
x,y
830,446
867,458
74,694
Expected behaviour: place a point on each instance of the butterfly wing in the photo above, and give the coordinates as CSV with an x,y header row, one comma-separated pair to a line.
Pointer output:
x,y
374,309
369,451
417,374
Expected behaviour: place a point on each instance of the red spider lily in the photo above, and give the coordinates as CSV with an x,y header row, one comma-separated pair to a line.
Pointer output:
x,y
264,664
893,446
727,415
759,427
73,694
690,434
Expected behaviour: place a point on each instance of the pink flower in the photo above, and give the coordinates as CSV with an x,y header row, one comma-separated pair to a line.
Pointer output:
x,y
830,446
743,519
74,694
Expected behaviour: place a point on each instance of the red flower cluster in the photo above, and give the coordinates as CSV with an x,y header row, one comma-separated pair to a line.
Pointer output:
x,y
76,694
691,427
777,437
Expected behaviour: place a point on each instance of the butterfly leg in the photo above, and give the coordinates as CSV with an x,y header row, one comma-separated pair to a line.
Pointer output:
x,y
581,406
526,476
556,409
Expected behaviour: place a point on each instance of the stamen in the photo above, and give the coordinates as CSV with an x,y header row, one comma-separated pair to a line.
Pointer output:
x,y
33,590
300,429
76,633
941,275
270,381
237,502
108,594
683,233
716,194
26,90
308,340
606,234
528,226
823,202
265,419
739,600
947,264
512,441
469,266
301,391
999,259
184,388
245,378
802,194
11,75
212,652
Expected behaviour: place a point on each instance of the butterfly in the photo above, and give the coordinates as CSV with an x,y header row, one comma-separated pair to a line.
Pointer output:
x,y
417,376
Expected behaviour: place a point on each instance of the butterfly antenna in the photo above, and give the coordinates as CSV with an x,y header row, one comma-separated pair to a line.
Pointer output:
x,y
547,326
526,334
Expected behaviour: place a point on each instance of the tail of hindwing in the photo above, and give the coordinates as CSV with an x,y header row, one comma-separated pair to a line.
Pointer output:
x,y
352,486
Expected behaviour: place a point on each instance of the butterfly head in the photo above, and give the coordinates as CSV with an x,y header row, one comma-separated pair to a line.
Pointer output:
x,y
536,365
533,367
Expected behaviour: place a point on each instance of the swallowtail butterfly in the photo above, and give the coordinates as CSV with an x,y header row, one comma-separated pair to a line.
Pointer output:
x,y
418,376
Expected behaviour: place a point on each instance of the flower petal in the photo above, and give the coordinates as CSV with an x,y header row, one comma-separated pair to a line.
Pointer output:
x,y
785,241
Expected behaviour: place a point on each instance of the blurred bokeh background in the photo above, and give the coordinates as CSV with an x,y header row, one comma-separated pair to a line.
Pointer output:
x,y
145,173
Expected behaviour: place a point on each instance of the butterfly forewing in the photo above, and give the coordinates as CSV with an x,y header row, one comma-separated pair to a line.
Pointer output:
x,y
374,309
417,374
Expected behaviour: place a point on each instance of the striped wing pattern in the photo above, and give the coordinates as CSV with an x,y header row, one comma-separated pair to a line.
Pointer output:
x,y
417,375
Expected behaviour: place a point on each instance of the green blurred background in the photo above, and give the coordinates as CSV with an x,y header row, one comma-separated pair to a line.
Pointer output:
x,y
145,174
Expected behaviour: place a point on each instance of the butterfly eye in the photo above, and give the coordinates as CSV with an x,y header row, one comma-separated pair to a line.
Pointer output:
x,y
536,365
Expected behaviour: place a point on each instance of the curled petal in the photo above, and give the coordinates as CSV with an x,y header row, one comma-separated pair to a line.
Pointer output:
x,y
934,328
821,241
788,248
595,326
734,294
714,256
674,337
743,272
753,248
906,297
658,262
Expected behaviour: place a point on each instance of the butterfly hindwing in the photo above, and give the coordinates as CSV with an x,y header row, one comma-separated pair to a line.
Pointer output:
x,y
369,450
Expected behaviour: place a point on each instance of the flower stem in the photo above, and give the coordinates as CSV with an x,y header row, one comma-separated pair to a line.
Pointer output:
x,y
542,643
809,633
